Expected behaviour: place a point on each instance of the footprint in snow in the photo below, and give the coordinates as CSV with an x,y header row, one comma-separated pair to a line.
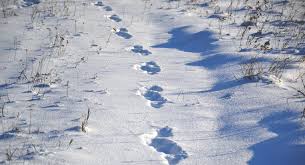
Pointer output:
x,y
30,2
159,140
149,67
123,32
165,132
107,8
115,18
139,50
98,3
152,94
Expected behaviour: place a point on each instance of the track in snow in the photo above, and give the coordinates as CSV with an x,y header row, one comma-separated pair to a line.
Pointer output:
x,y
150,67
138,49
161,142
123,32
153,95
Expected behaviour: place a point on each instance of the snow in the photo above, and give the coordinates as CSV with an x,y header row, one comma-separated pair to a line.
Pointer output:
x,y
147,82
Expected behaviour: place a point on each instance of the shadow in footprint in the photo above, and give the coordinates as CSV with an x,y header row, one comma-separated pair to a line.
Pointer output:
x,y
123,32
165,132
139,50
281,149
156,99
156,88
150,67
98,3
30,2
107,8
115,18
170,150
174,152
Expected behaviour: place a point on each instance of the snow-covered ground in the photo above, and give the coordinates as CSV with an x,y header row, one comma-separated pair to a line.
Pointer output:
x,y
151,82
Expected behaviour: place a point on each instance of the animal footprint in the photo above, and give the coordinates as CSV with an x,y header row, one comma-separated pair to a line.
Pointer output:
x,y
123,32
139,50
115,18
30,2
149,67
152,94
107,8
98,3
159,140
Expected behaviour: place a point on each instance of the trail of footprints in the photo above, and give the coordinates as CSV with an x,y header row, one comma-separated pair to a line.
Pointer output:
x,y
159,139
152,94
101,5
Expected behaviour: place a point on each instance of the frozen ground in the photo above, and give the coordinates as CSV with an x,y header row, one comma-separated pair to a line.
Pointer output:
x,y
145,82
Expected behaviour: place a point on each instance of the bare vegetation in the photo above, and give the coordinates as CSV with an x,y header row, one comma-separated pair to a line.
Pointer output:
x,y
263,30
85,121
7,8
10,153
37,73
271,30
252,69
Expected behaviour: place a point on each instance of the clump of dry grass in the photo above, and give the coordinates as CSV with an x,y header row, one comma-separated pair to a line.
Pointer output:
x,y
252,69
85,121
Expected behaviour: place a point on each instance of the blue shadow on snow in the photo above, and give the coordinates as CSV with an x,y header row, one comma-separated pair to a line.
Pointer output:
x,y
280,150
205,44
200,42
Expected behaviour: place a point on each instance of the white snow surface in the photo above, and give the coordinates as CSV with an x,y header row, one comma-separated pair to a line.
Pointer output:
x,y
161,86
